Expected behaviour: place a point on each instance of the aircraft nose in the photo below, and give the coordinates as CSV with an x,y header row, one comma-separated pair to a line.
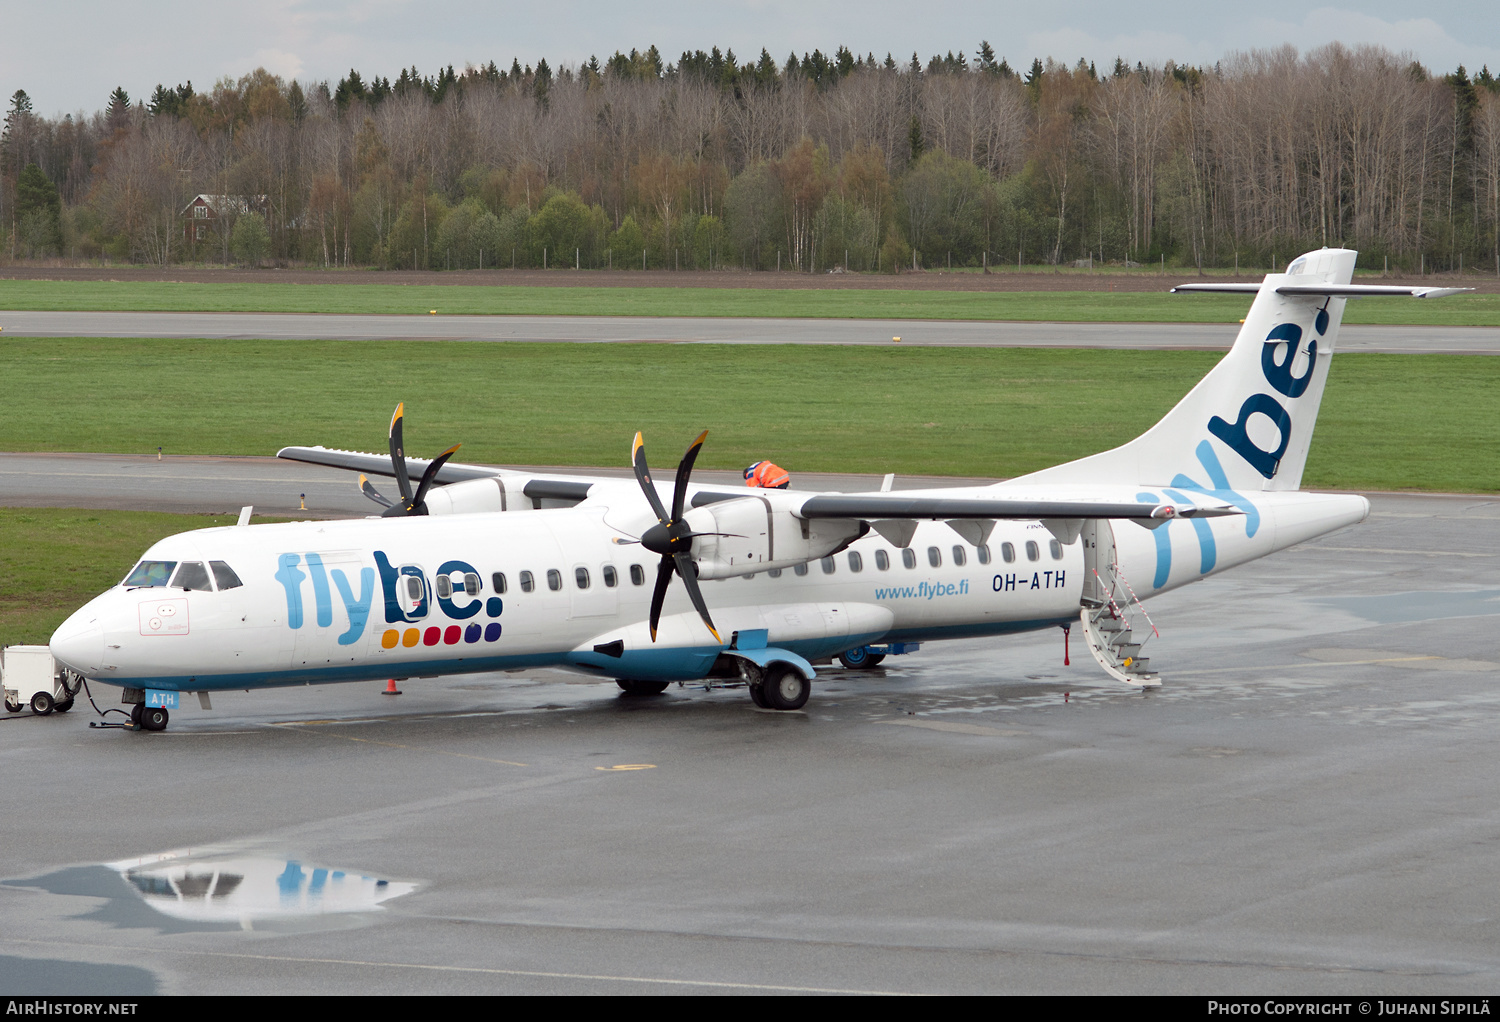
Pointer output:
x,y
79,643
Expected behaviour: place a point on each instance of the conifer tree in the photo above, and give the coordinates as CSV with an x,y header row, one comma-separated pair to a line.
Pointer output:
x,y
118,111
987,57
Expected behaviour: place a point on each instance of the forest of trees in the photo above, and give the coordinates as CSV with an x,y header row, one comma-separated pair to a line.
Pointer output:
x,y
810,164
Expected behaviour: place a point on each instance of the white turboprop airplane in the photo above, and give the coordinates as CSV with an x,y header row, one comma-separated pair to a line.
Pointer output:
x,y
476,576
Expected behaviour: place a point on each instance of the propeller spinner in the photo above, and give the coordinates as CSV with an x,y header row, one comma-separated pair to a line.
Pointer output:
x,y
410,503
671,537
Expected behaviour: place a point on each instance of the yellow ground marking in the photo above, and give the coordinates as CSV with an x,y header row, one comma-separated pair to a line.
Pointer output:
x,y
954,727
1398,553
392,745
1424,662
629,766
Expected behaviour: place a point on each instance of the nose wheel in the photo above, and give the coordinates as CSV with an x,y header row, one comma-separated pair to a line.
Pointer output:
x,y
149,718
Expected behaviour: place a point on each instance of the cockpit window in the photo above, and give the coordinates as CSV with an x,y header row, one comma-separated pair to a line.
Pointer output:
x,y
150,573
191,575
224,576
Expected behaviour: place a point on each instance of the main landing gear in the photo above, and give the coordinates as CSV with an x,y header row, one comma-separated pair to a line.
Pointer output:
x,y
861,659
642,688
782,687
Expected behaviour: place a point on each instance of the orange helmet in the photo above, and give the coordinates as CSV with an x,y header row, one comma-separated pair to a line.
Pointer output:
x,y
768,475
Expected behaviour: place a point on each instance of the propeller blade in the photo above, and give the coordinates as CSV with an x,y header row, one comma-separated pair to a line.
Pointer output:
x,y
398,455
418,503
659,594
690,580
685,469
368,489
643,476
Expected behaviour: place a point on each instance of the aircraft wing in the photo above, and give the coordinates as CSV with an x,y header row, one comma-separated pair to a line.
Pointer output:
x,y
870,506
380,464
568,489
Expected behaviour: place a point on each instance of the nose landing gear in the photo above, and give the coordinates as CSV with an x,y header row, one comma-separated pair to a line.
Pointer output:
x,y
149,718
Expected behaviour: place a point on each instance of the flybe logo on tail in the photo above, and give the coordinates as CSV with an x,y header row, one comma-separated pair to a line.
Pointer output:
x,y
1284,339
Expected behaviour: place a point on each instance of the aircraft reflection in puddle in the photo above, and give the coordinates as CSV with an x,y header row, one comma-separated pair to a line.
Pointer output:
x,y
250,889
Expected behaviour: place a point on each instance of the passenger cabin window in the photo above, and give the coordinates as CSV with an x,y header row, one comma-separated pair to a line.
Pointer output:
x,y
1033,552
472,585
611,579
1056,550
150,573
984,553
444,586
774,572
224,576
856,563
498,581
1008,553
934,557
527,582
581,577
637,575
800,569
882,560
959,555
909,557
554,579
414,588
828,565
192,575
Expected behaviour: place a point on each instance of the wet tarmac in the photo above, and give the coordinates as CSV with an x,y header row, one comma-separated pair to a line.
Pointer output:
x,y
1307,805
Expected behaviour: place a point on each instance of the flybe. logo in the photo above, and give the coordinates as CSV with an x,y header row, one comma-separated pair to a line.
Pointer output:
x,y
1279,358
1287,338
408,599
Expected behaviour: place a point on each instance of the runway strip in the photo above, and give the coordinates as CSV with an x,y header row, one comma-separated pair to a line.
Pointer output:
x,y
214,485
708,330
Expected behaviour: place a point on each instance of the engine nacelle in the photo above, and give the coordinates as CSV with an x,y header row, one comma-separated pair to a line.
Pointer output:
x,y
469,497
763,533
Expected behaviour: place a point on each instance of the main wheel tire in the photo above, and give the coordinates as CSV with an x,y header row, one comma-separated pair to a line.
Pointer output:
x,y
64,706
42,704
135,713
154,718
860,659
758,696
642,688
786,688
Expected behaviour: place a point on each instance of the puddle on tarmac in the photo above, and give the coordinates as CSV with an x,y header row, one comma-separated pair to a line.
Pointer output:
x,y
179,892
1396,608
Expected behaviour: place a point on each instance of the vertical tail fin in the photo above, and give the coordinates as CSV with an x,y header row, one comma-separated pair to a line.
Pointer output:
x,y
1248,424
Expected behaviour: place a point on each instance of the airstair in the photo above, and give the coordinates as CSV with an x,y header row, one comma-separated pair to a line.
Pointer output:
x,y
1115,624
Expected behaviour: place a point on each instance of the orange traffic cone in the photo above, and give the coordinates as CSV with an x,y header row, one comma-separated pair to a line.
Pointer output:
x,y
391,689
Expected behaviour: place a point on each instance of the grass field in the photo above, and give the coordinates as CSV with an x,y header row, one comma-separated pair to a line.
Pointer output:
x,y
419,299
54,560
1388,421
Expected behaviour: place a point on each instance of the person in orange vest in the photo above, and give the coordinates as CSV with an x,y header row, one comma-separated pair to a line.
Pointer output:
x,y
768,475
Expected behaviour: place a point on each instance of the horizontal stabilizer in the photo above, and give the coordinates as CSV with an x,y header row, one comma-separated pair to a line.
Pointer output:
x,y
1328,290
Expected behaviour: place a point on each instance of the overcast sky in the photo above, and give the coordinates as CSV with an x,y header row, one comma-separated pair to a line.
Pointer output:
x,y
69,56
